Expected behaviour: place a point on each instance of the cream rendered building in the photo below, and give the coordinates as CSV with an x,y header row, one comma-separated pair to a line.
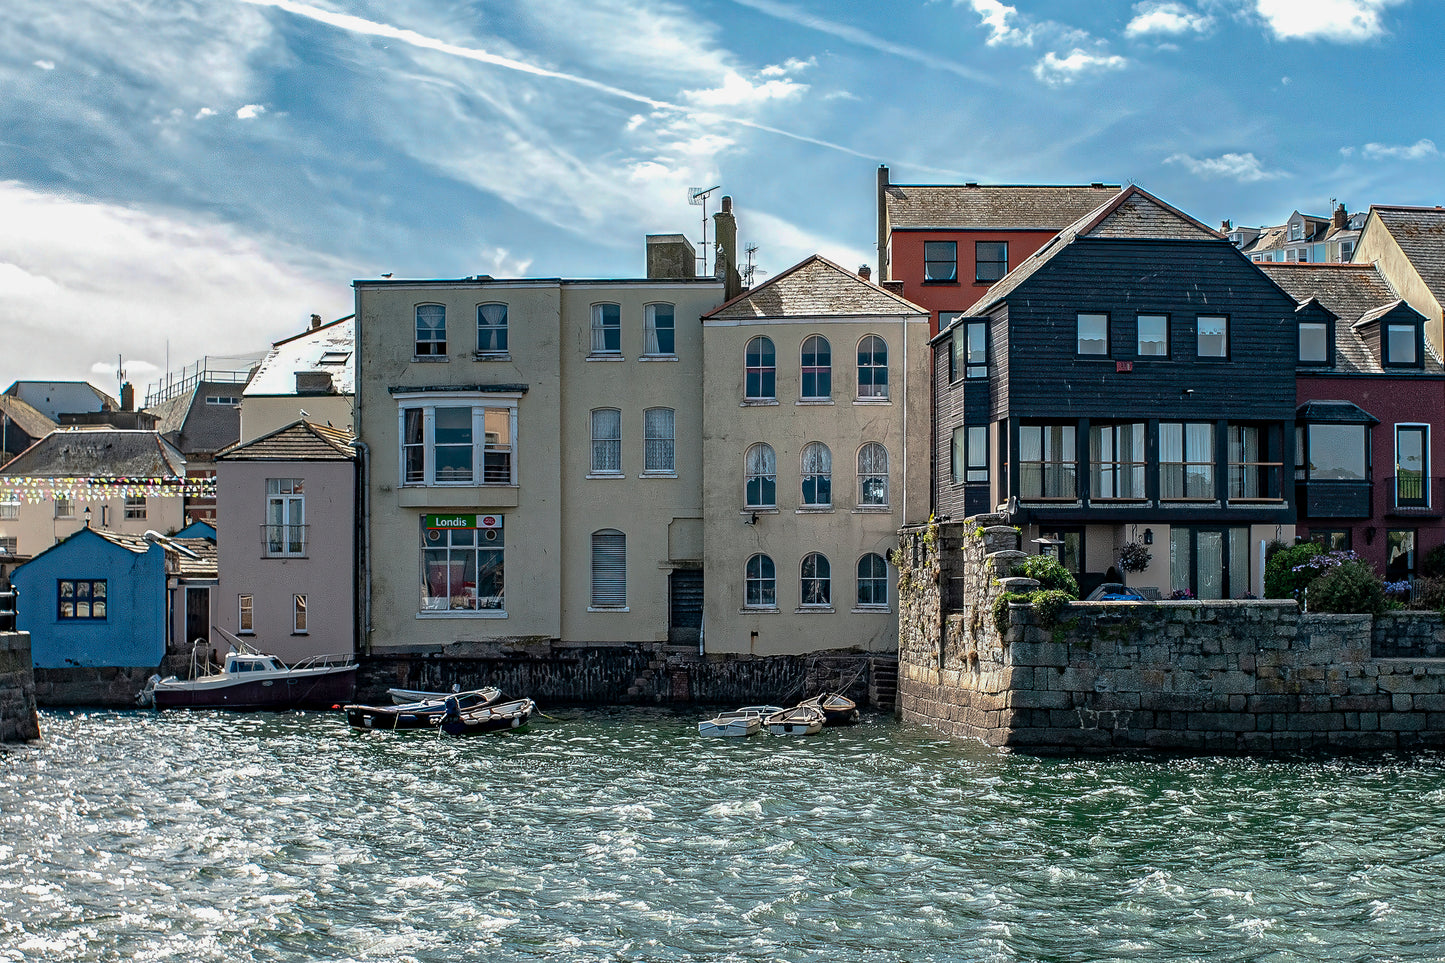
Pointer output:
x,y
815,428
533,455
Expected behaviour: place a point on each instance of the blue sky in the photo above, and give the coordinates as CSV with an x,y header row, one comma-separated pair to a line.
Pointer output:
x,y
188,177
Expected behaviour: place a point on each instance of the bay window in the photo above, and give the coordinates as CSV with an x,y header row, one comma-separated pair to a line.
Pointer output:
x,y
462,439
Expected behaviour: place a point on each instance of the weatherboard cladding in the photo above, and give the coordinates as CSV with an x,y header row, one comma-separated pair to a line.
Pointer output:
x,y
956,403
991,206
1350,292
1420,232
1045,377
815,288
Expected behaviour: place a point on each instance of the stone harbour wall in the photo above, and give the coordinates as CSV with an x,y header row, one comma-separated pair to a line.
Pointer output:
x,y
19,721
1226,676
563,674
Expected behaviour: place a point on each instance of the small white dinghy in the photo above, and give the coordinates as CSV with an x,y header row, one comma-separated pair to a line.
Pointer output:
x,y
802,720
736,724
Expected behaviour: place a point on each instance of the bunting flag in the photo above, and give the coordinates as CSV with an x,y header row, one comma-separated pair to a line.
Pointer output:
x,y
32,489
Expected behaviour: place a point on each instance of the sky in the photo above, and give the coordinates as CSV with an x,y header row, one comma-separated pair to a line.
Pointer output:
x,y
181,178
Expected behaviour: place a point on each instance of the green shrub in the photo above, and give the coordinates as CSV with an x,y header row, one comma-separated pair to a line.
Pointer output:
x,y
1283,576
1049,572
1429,594
1350,587
1048,603
1433,564
1000,607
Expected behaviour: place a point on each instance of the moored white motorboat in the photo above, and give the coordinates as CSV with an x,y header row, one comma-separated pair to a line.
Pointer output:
x,y
406,697
800,720
254,680
735,724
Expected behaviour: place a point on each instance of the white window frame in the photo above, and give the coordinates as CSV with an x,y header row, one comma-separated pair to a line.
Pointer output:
x,y
245,615
823,372
480,403
1199,336
134,507
64,506
298,614
651,342
815,464
763,467
605,451
489,539
875,581
815,591
435,344
873,391
9,508
601,329
495,331
659,442
765,372
865,501
285,518
609,571
767,585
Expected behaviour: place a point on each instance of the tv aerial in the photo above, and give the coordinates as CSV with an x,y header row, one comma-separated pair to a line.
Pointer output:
x,y
698,196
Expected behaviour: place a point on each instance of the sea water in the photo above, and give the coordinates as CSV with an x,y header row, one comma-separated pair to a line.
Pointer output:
x,y
622,835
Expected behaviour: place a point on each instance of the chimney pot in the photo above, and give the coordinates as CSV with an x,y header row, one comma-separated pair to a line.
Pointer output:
x,y
865,272
315,321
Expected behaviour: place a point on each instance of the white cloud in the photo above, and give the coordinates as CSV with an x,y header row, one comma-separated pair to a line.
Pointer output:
x,y
737,91
45,64
1422,148
1166,17
135,371
204,112
1056,71
251,111
781,244
499,263
1343,21
1003,23
121,280
1244,168
790,66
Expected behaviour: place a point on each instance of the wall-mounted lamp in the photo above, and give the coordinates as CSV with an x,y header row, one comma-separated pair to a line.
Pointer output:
x,y
87,516
1148,536
1185,392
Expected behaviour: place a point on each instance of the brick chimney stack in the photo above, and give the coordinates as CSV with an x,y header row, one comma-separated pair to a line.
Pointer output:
x,y
865,272
725,230
127,397
315,321
1339,220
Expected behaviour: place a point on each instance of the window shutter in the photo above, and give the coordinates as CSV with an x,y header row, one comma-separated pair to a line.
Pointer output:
x,y
609,569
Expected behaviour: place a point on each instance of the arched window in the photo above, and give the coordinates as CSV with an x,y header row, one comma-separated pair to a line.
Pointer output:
x,y
609,569
873,475
431,330
606,329
872,580
492,328
761,583
658,330
872,367
817,475
817,369
762,370
606,441
817,580
760,468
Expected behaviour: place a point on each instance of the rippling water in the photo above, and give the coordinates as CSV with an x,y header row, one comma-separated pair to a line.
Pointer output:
x,y
623,836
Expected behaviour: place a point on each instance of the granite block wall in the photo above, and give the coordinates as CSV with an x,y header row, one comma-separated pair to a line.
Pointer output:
x,y
18,719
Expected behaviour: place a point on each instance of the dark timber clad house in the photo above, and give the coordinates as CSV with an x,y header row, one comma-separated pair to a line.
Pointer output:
x,y
1133,380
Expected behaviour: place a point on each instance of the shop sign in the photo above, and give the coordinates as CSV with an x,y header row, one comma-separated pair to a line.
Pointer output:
x,y
462,521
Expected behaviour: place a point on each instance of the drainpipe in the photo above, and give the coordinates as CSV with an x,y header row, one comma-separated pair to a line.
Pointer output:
x,y
903,322
362,622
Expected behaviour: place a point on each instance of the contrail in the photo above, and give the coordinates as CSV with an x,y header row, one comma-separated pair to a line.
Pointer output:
x,y
352,24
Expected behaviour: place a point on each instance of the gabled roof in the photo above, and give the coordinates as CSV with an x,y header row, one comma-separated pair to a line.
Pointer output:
x,y
815,288
1420,232
298,441
330,348
131,543
26,417
1351,293
991,206
99,453
186,557
1132,213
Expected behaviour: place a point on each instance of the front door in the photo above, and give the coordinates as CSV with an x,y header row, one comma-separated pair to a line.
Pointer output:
x,y
1209,563
198,615
684,619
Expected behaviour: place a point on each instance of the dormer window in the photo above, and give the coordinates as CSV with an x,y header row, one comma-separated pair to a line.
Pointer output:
x,y
1314,343
1402,345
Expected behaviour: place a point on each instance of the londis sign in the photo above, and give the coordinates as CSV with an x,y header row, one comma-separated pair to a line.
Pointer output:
x,y
462,521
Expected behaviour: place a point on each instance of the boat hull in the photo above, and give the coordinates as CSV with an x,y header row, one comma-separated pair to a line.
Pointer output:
x,y
506,717
311,689
416,715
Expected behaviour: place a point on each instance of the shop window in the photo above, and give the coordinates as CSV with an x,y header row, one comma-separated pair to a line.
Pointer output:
x,y
463,564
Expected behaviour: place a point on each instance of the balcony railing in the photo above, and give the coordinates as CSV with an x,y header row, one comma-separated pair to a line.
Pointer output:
x,y
1256,481
1413,494
283,541
1048,480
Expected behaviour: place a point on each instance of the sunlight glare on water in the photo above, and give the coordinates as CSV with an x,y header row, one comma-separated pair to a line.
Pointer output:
x,y
621,835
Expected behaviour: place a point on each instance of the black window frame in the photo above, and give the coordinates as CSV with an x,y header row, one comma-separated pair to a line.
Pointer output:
x,y
1386,360
1324,362
1200,355
1078,335
998,267
937,258
90,595
1139,338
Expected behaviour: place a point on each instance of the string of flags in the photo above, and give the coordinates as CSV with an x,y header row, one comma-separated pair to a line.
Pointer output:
x,y
32,488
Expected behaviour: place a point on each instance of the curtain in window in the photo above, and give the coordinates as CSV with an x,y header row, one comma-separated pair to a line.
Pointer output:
x,y
606,441
817,474
413,447
658,334
431,329
606,329
1199,452
657,429
873,474
761,470
492,327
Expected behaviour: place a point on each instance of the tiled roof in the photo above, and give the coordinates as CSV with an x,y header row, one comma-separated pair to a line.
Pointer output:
x,y
131,543
200,563
334,342
298,441
26,417
1420,232
1130,213
99,453
1352,293
815,288
992,206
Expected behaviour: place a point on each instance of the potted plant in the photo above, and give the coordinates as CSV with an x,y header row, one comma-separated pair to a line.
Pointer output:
x,y
1134,557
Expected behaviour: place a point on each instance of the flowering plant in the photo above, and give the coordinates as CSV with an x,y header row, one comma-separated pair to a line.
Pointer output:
x,y
1134,557
1181,595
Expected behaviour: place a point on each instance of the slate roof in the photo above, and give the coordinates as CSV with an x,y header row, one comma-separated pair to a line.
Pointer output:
x,y
992,206
298,441
1353,293
276,375
131,543
99,453
1130,213
1420,232
186,557
815,288
196,427
26,417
